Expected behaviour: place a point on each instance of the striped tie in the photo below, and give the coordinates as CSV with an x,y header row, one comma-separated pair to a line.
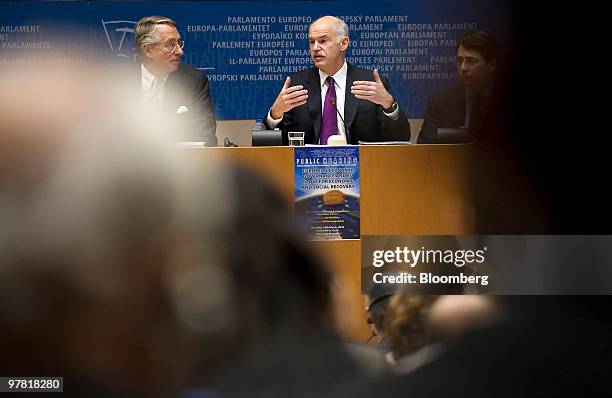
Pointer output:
x,y
152,96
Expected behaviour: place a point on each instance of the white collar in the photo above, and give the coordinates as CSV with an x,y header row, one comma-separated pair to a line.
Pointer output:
x,y
339,77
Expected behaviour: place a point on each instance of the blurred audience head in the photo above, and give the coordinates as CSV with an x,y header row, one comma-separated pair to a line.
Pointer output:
x,y
453,315
127,264
88,198
406,323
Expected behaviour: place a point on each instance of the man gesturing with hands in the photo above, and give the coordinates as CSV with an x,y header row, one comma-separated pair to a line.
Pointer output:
x,y
289,98
336,98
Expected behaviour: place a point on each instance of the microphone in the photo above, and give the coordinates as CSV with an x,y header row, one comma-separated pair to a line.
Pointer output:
x,y
332,100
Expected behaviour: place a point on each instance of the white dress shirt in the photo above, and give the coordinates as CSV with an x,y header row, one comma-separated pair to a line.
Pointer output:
x,y
340,83
148,95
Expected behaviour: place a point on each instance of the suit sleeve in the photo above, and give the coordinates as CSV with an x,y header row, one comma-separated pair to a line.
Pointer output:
x,y
393,130
284,126
285,123
207,127
429,130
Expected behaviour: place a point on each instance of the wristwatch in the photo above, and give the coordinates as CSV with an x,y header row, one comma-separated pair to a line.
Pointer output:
x,y
392,108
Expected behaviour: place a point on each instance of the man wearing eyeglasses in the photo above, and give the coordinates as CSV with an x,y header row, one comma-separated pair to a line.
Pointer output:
x,y
464,106
179,91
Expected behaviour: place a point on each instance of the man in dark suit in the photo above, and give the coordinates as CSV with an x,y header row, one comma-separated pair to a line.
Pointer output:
x,y
464,105
178,92
336,98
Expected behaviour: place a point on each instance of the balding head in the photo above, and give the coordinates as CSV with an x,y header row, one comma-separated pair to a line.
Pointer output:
x,y
338,26
328,38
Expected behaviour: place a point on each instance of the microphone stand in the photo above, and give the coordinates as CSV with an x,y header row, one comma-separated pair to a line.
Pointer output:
x,y
346,131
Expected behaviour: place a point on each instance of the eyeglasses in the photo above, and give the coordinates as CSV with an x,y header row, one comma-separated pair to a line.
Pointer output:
x,y
172,46
468,61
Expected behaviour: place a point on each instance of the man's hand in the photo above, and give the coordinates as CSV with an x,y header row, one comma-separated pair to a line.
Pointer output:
x,y
289,98
373,91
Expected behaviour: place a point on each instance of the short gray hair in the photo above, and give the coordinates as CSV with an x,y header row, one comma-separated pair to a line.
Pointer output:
x,y
146,31
339,26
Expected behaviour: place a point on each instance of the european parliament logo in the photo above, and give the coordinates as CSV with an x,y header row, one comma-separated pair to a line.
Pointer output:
x,y
120,38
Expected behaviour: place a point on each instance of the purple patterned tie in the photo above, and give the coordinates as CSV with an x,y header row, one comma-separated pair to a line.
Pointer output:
x,y
329,123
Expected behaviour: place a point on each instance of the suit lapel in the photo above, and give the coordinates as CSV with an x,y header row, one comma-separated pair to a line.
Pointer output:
x,y
350,102
313,85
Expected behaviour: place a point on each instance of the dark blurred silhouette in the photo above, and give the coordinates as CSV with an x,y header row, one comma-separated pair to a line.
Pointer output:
x,y
537,170
88,209
130,268
281,341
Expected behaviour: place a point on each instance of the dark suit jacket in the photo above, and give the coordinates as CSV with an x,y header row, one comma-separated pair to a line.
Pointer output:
x,y
188,87
365,120
446,109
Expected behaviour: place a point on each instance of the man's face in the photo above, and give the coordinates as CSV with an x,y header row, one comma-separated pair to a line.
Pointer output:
x,y
474,71
326,52
164,57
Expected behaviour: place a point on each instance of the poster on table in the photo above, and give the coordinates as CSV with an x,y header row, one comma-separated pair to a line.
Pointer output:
x,y
327,192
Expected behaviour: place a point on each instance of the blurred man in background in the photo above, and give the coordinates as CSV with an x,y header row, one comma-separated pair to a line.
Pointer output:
x,y
465,105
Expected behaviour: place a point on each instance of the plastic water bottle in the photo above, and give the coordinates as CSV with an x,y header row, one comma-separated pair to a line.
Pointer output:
x,y
258,126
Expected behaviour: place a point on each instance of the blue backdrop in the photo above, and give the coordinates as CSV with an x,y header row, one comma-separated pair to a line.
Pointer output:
x,y
248,47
